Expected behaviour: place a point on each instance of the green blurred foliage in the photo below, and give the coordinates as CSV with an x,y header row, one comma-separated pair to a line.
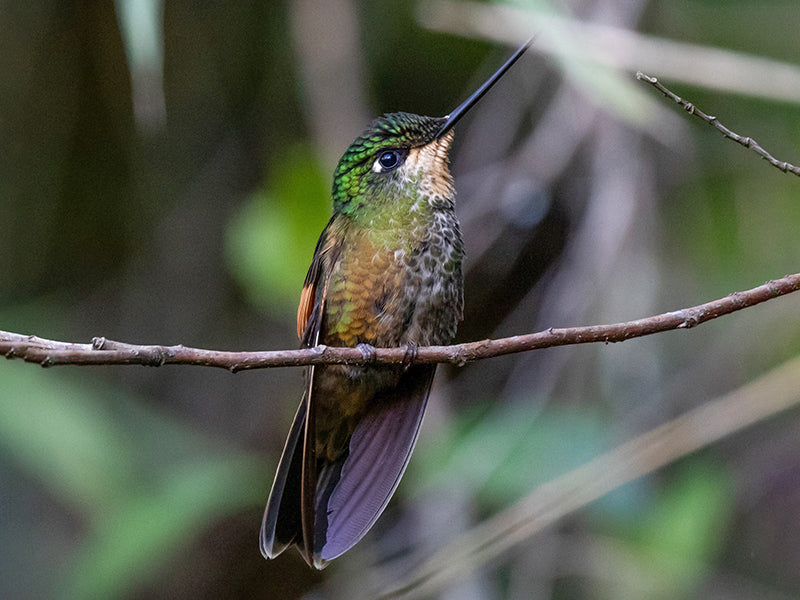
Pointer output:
x,y
270,239
142,484
501,452
665,552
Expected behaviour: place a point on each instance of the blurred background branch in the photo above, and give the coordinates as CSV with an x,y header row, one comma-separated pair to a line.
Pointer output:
x,y
761,399
578,43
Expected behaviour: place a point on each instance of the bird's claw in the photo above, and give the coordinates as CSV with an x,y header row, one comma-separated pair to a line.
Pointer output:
x,y
410,357
368,352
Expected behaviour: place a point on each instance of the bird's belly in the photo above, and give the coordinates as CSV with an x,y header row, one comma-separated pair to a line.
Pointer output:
x,y
389,297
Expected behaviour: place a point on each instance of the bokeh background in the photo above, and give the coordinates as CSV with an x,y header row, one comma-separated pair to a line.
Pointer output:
x,y
164,173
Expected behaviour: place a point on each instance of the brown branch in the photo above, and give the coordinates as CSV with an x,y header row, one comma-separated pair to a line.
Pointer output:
x,y
107,352
747,142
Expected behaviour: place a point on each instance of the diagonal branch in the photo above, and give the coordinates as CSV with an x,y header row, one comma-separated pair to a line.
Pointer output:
x,y
747,142
757,401
107,352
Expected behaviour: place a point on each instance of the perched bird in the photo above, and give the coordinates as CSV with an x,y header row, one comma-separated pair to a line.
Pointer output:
x,y
386,272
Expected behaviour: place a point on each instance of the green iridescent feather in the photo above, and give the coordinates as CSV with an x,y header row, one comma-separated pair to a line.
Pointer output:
x,y
352,180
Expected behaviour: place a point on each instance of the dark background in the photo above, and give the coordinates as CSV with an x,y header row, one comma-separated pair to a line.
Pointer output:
x,y
164,174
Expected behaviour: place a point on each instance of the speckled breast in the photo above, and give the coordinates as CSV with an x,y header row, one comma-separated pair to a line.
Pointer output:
x,y
409,292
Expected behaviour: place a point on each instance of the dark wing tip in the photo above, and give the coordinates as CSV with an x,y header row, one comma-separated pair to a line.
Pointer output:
x,y
280,526
269,547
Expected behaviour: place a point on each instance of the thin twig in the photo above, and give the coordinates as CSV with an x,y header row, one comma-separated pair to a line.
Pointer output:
x,y
747,142
102,351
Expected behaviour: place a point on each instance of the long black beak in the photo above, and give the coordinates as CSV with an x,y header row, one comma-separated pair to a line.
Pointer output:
x,y
478,94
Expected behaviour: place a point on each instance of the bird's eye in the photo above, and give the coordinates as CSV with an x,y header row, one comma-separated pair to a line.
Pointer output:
x,y
388,160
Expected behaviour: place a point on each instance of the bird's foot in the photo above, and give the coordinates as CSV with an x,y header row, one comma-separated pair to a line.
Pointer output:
x,y
368,352
410,357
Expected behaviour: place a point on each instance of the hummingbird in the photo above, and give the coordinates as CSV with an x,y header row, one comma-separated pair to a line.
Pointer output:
x,y
386,272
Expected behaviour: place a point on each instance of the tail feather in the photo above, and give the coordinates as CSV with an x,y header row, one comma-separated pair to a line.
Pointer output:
x,y
380,449
282,525
343,499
